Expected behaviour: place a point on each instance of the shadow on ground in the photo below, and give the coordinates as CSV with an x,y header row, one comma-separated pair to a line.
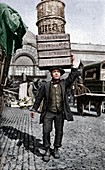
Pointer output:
x,y
30,142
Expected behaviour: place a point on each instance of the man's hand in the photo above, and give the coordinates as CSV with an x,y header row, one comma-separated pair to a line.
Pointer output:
x,y
32,114
72,58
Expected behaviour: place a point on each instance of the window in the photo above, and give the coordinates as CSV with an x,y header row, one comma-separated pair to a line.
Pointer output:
x,y
28,70
90,74
39,72
103,66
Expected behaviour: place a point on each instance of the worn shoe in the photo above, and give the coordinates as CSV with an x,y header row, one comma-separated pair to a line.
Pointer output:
x,y
47,155
56,153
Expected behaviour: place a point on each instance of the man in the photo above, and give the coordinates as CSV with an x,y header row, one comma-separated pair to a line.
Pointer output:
x,y
80,88
55,107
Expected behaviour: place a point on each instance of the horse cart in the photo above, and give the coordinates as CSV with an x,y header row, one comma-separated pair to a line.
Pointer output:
x,y
4,67
90,99
2,77
91,92
12,30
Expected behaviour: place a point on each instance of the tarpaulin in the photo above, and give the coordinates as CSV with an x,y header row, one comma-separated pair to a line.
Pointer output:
x,y
12,29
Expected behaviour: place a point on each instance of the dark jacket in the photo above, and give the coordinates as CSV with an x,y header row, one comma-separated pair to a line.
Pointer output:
x,y
43,94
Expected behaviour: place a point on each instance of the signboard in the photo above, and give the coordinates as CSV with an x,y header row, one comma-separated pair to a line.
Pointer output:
x,y
53,45
55,62
53,37
22,90
53,50
54,53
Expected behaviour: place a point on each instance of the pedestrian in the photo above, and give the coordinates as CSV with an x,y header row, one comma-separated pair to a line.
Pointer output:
x,y
55,107
30,90
80,88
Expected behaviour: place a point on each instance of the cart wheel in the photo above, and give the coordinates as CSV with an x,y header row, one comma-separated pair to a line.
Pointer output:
x,y
80,108
98,109
1,104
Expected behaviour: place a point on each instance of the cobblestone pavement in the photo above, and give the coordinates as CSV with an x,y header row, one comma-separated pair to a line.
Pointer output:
x,y
83,146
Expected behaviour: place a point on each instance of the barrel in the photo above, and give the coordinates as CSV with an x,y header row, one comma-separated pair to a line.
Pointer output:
x,y
50,17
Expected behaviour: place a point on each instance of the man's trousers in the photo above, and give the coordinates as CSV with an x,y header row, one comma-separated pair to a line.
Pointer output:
x,y
58,120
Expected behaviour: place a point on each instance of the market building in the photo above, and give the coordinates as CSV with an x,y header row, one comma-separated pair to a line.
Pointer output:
x,y
26,60
44,50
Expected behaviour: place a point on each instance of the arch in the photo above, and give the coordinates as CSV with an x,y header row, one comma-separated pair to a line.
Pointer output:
x,y
24,54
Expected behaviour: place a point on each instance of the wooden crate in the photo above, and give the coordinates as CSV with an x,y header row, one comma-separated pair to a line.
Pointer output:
x,y
53,50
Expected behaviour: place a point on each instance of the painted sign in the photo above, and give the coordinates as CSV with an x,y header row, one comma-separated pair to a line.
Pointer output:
x,y
53,37
54,62
53,45
54,53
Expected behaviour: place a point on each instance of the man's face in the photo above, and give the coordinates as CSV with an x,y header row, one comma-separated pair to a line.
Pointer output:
x,y
56,74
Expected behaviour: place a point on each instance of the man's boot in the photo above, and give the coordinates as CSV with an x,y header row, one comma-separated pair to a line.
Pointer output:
x,y
56,153
47,155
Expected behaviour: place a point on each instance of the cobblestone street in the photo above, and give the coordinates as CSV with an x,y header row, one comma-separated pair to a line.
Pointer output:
x,y
83,146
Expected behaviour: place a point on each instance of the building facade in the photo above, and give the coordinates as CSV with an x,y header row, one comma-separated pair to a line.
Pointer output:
x,y
50,20
25,60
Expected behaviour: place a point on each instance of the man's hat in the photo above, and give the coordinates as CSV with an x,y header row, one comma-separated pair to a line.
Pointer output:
x,y
57,68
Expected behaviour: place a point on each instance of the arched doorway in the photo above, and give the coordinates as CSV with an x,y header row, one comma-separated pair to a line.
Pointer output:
x,y
23,64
